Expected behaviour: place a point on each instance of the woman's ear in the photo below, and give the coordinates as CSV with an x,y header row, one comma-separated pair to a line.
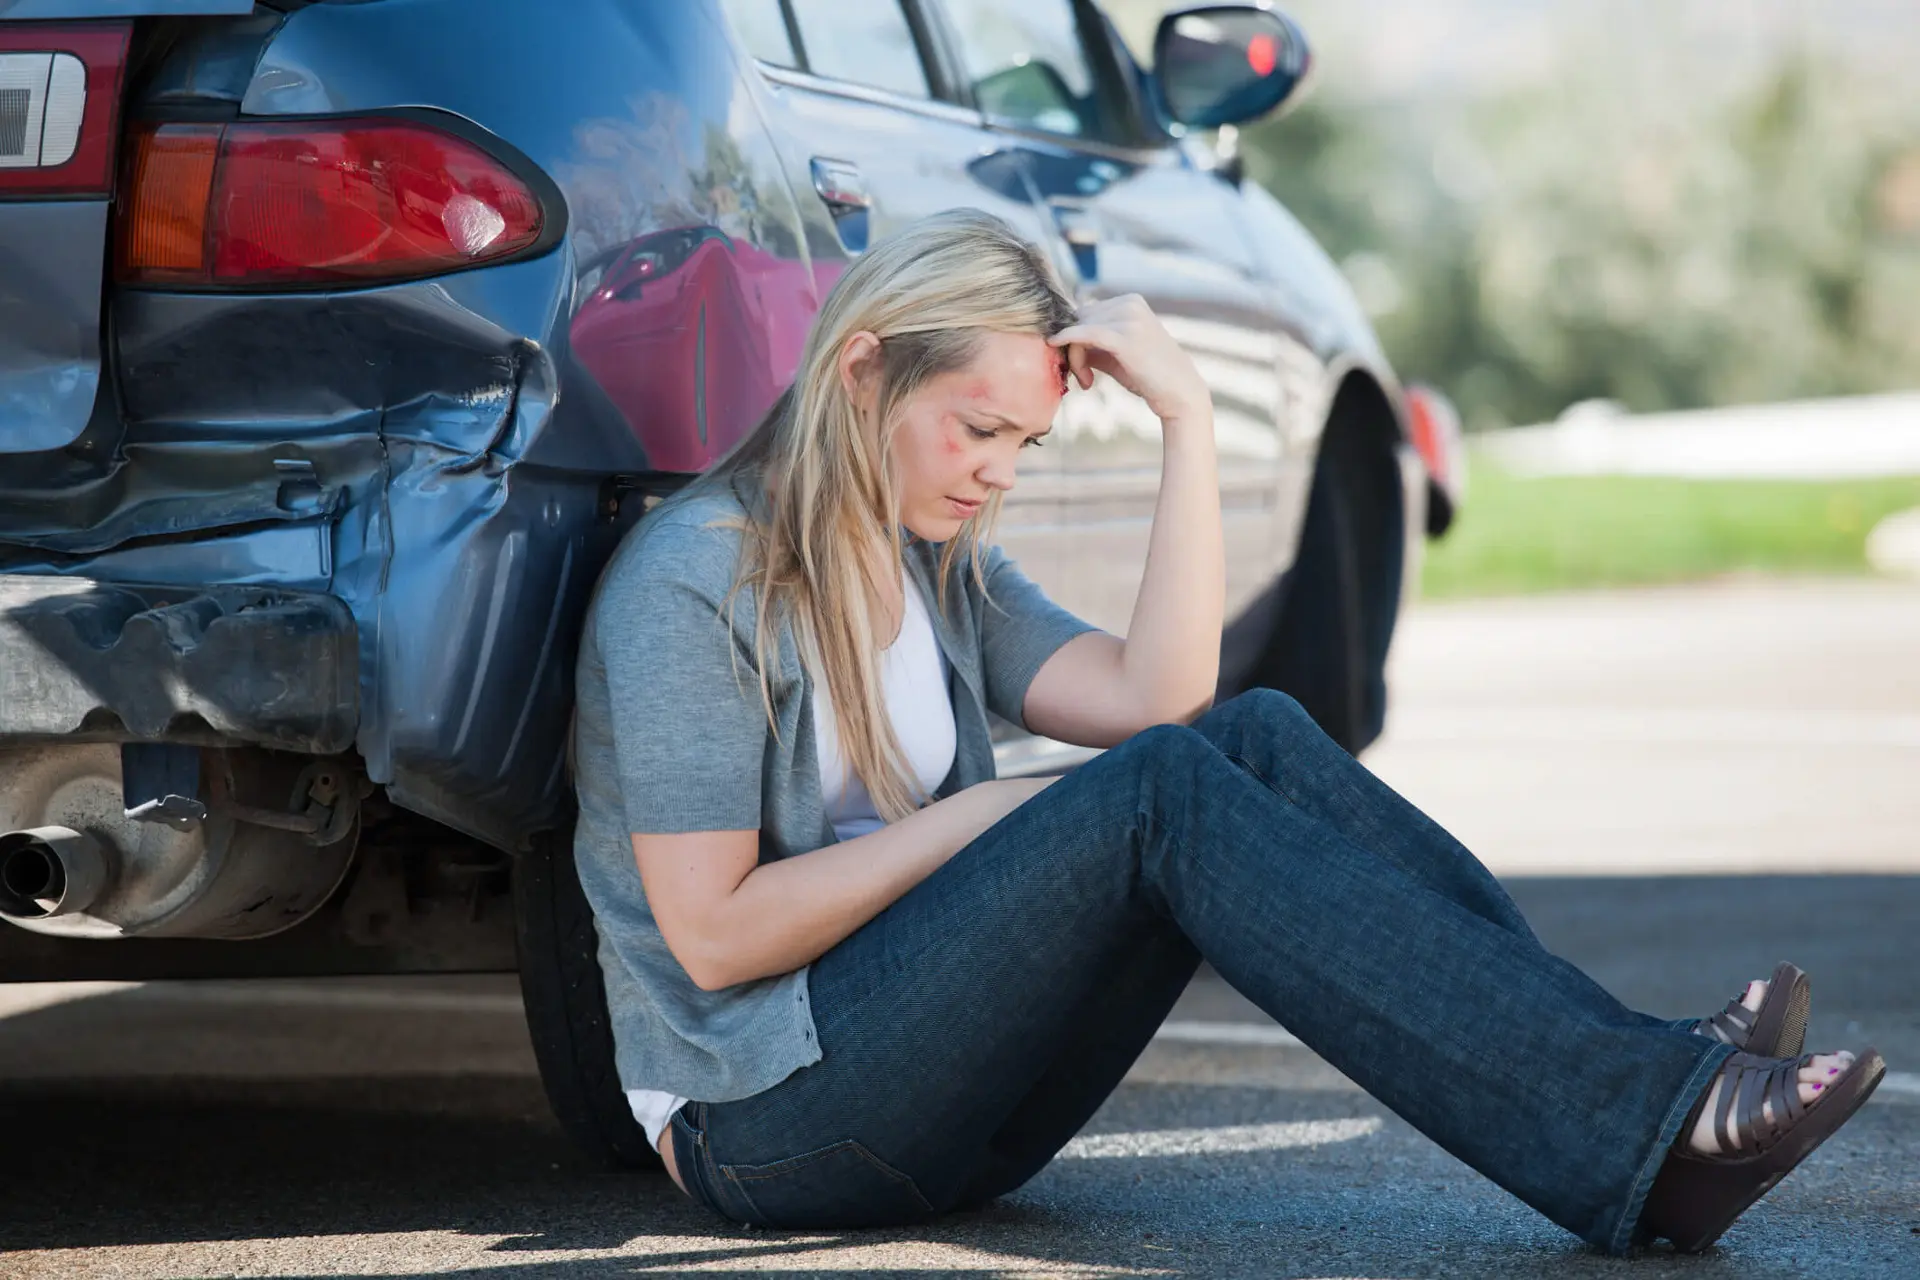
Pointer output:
x,y
859,368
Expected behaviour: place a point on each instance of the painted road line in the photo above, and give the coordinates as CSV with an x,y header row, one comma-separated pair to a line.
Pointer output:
x,y
1899,1084
26,997
1225,1140
19,998
302,997
1655,726
1264,1035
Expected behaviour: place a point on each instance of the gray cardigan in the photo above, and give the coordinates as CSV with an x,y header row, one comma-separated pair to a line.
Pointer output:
x,y
669,738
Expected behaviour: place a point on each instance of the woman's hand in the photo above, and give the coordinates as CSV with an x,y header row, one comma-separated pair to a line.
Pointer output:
x,y
1122,338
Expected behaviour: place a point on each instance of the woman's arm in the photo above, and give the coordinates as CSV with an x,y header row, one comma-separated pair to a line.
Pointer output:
x,y
1099,690
729,920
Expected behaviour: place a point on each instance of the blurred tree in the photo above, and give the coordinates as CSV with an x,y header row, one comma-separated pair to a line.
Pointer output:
x,y
1567,240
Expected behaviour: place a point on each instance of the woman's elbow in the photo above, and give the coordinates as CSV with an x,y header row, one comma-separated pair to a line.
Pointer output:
x,y
1177,707
711,979
710,967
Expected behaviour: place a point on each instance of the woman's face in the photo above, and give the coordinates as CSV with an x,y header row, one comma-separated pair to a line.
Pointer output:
x,y
960,435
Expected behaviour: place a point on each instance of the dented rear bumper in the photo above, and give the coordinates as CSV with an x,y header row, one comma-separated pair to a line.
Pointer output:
x,y
82,660
389,479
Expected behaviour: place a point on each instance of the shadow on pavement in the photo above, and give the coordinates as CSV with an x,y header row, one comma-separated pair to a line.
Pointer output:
x,y
286,1138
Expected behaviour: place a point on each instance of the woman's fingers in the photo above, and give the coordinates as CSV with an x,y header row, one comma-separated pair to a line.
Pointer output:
x,y
1096,335
1089,347
1122,338
1077,365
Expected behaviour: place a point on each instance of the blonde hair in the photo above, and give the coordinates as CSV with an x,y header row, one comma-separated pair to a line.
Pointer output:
x,y
930,292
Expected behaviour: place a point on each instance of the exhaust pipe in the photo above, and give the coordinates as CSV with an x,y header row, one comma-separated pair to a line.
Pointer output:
x,y
49,871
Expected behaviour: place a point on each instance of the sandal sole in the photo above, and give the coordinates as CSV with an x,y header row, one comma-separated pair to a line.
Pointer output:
x,y
1696,1198
1780,1027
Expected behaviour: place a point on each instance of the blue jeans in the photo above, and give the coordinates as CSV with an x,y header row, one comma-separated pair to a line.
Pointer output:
x,y
972,1028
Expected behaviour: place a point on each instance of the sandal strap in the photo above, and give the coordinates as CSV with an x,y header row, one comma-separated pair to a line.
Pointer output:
x,y
1748,1083
1732,1025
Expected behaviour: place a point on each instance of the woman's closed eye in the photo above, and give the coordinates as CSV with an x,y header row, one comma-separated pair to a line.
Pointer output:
x,y
988,433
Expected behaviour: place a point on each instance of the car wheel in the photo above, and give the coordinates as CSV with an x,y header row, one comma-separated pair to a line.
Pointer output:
x,y
566,1001
1339,601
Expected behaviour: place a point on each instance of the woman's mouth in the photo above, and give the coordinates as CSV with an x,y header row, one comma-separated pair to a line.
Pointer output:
x,y
962,509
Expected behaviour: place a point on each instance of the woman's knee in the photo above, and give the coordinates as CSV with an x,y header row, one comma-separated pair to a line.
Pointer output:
x,y
1160,745
1165,760
1258,716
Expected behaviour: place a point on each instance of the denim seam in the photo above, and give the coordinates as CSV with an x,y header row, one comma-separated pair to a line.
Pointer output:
x,y
1186,854
1433,1031
1620,1241
705,1172
1264,781
793,1164
1642,1183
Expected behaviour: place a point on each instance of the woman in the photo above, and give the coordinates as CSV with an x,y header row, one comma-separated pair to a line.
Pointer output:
x,y
892,985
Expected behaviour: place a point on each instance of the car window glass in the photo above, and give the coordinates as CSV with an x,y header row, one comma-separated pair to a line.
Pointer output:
x,y
1026,63
865,41
763,29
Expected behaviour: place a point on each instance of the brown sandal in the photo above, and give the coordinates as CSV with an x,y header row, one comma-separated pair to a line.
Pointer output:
x,y
1695,1198
1777,1029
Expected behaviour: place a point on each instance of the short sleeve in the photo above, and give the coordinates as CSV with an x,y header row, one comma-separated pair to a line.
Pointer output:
x,y
1020,628
688,728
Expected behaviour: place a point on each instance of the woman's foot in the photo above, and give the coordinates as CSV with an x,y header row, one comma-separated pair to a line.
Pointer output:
x,y
1711,1178
1816,1072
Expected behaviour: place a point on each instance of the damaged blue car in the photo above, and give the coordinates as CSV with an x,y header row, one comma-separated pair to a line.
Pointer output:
x,y
342,340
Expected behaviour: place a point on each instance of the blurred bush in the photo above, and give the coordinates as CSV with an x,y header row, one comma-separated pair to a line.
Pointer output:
x,y
1540,258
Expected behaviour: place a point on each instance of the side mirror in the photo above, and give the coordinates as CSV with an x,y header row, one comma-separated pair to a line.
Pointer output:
x,y
1227,64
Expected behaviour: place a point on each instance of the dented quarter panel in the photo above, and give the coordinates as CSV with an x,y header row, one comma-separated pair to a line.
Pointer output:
x,y
50,349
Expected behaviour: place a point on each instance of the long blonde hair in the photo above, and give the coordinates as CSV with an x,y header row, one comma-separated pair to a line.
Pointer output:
x,y
930,292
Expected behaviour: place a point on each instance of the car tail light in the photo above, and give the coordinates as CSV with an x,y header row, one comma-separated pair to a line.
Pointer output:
x,y
59,106
314,202
1434,426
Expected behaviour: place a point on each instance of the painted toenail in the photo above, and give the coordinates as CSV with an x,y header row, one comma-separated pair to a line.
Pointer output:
x,y
1833,1071
1818,1087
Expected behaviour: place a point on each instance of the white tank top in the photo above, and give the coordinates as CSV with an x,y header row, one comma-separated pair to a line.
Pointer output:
x,y
914,677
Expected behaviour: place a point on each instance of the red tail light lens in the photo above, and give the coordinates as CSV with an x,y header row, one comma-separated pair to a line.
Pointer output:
x,y
315,202
1434,426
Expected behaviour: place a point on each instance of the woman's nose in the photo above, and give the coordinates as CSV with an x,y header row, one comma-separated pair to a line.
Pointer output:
x,y
997,473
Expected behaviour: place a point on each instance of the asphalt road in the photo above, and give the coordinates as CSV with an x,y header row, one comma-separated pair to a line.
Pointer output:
x,y
1764,740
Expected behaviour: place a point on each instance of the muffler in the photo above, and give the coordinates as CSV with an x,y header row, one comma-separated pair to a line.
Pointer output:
x,y
254,851
49,871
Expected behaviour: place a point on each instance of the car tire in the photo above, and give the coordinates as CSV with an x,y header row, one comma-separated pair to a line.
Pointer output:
x,y
1339,601
566,1003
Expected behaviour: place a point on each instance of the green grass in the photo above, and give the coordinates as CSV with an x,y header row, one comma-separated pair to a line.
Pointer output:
x,y
1564,533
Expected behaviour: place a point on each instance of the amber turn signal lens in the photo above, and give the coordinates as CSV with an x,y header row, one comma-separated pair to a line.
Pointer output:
x,y
163,223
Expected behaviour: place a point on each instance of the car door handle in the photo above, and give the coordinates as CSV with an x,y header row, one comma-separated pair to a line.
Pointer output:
x,y
841,186
1076,224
